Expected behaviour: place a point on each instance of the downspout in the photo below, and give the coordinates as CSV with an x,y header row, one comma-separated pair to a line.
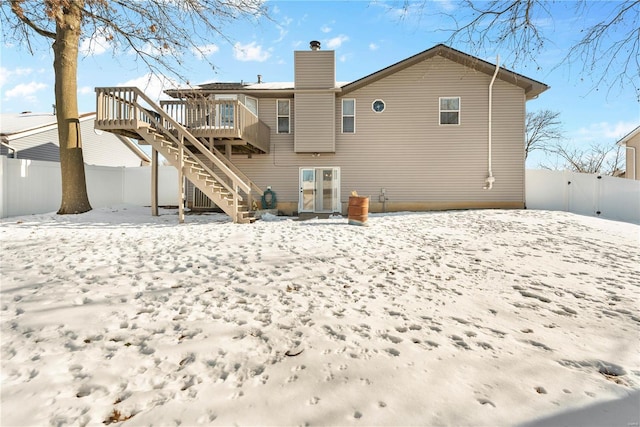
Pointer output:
x,y
490,179
635,175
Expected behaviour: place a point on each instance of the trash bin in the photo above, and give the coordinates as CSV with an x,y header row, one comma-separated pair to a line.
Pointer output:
x,y
358,210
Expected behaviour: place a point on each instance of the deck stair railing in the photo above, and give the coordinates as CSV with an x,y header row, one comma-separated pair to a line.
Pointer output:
x,y
128,111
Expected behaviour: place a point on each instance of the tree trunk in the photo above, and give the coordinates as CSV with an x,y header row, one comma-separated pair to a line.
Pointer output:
x,y
65,48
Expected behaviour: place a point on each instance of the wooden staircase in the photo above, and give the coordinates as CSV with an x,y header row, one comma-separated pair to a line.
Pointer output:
x,y
119,110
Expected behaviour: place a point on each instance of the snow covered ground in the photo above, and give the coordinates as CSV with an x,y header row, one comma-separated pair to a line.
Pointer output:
x,y
443,318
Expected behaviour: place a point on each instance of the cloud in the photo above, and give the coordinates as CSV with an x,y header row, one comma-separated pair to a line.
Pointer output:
x,y
6,73
24,90
152,85
336,42
203,51
85,90
373,46
283,28
325,29
95,45
250,52
605,131
446,5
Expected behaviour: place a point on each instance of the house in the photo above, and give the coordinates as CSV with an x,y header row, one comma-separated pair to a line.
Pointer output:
x,y
34,136
631,143
439,130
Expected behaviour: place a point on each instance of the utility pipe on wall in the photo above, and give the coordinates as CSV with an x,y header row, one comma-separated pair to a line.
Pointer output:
x,y
490,179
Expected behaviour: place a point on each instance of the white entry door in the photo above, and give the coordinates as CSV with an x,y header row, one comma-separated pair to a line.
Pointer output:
x,y
319,190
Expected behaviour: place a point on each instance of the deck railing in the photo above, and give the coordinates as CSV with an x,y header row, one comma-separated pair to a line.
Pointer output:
x,y
123,108
219,118
118,107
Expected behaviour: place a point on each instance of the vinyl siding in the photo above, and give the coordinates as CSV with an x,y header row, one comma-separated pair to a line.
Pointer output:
x,y
105,149
40,146
315,69
631,163
405,151
315,124
102,150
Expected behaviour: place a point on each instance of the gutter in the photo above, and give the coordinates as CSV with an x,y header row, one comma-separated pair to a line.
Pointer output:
x,y
490,179
4,143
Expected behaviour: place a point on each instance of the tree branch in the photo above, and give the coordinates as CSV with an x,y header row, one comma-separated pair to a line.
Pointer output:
x,y
16,8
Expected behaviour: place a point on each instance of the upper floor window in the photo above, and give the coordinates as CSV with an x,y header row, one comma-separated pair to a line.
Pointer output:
x,y
450,111
251,104
348,116
284,116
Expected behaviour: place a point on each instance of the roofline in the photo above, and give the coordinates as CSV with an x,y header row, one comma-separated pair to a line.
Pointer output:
x,y
83,117
627,137
43,128
532,88
183,93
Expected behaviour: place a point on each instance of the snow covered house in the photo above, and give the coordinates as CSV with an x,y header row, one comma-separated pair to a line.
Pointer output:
x,y
34,136
439,130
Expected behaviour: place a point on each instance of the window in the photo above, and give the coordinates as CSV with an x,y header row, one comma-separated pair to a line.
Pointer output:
x,y
348,116
450,111
378,106
251,104
283,115
224,110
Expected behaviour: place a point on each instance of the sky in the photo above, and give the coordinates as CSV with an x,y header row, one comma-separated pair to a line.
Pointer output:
x,y
367,36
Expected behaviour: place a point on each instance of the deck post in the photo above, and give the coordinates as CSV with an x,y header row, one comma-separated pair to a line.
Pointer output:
x,y
236,204
181,182
154,182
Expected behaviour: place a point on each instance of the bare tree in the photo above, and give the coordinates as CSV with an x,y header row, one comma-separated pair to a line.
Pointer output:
x,y
599,158
159,32
542,128
606,50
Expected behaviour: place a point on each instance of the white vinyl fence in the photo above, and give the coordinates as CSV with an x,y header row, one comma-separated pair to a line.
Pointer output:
x,y
584,194
32,187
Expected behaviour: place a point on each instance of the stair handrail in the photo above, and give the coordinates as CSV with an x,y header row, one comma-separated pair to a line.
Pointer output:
x,y
237,171
206,168
184,133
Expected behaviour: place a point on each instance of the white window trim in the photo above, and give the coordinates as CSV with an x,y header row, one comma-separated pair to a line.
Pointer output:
x,y
257,104
354,115
440,111
278,117
383,103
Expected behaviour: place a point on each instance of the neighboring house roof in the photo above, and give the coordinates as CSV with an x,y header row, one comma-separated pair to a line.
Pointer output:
x,y
221,85
35,136
532,88
628,137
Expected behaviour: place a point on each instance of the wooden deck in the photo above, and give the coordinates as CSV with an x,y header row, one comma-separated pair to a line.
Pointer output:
x,y
128,111
221,121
